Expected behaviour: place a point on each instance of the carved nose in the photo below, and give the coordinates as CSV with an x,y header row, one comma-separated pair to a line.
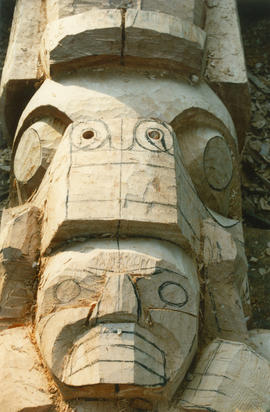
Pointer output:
x,y
119,301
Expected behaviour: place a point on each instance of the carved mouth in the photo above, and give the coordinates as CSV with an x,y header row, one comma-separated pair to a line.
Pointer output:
x,y
112,353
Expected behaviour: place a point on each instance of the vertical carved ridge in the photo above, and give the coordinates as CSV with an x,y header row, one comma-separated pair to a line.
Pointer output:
x,y
123,14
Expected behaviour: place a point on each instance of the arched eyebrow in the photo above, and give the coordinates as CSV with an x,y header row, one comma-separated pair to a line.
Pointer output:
x,y
162,269
37,114
155,270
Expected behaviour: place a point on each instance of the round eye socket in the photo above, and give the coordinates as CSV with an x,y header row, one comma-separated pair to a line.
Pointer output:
x,y
173,294
154,134
89,134
67,290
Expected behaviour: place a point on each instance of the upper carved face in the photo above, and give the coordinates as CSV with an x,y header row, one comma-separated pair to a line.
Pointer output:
x,y
145,149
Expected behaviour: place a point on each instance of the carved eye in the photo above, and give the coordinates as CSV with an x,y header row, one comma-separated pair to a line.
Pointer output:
x,y
67,291
166,289
90,134
154,136
173,294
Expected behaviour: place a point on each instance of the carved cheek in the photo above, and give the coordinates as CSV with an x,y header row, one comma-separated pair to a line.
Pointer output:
x,y
170,309
168,295
68,285
168,290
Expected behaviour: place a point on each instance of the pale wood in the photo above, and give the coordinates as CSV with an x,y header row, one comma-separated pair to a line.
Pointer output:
x,y
92,33
192,11
177,99
126,256
118,314
155,38
22,68
34,153
223,301
57,9
225,69
144,203
163,41
24,386
19,244
210,156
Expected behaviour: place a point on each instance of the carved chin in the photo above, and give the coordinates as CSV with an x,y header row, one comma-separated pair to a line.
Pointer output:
x,y
121,353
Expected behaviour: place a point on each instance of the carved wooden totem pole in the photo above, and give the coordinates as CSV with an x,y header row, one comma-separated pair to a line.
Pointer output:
x,y
123,273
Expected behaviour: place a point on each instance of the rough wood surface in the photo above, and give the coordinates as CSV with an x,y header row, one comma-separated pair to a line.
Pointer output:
x,y
24,386
125,257
223,300
163,41
112,306
34,153
225,67
210,156
22,67
131,193
57,9
19,244
92,33
72,94
230,377
192,11
102,35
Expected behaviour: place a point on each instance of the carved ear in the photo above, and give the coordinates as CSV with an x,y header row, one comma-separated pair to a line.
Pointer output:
x,y
210,156
34,153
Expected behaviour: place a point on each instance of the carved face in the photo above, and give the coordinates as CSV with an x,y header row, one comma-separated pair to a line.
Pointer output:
x,y
114,317
120,316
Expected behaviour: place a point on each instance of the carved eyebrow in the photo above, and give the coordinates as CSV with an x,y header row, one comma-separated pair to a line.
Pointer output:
x,y
38,113
161,270
158,270
155,270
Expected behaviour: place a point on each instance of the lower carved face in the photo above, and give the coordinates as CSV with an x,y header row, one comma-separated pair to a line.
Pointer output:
x,y
119,319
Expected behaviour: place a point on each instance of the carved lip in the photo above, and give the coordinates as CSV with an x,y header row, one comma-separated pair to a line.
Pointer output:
x,y
112,353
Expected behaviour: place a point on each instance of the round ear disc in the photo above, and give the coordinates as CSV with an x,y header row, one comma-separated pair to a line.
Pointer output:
x,y
35,151
209,162
217,163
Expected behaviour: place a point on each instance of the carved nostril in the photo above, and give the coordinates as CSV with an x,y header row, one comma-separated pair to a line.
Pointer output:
x,y
89,134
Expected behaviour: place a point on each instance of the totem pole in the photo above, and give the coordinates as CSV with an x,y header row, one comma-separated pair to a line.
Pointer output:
x,y
123,274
